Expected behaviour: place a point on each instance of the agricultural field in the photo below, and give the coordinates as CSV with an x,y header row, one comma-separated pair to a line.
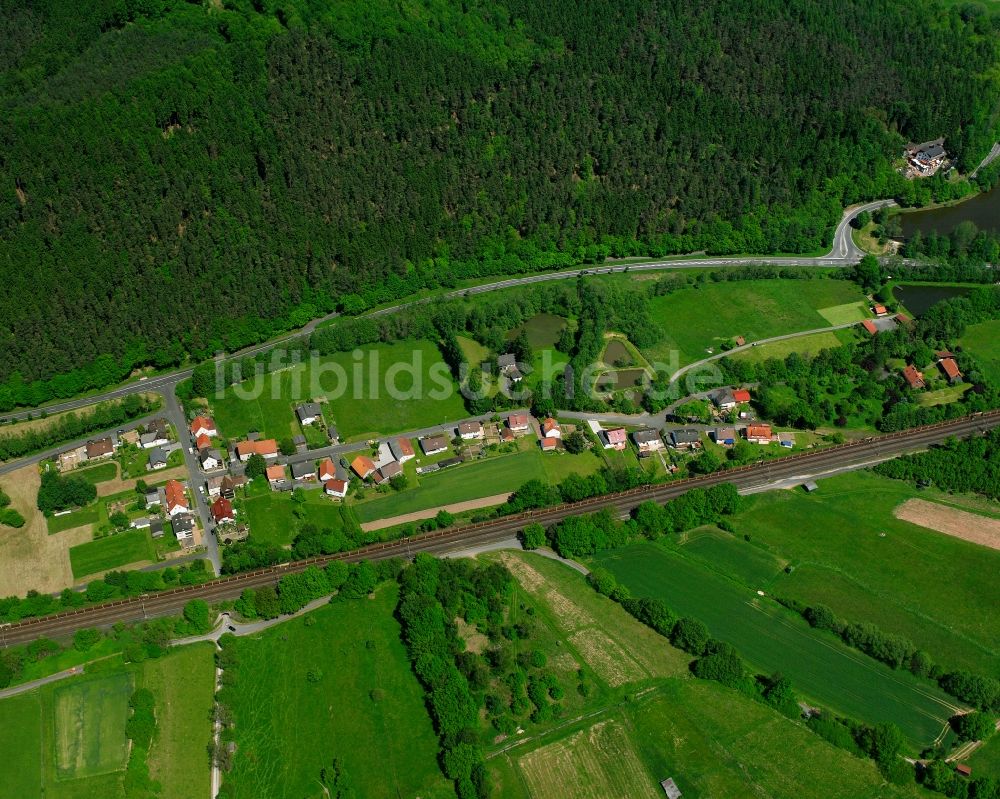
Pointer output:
x,y
702,318
111,552
68,740
849,551
983,342
361,408
712,741
485,478
773,639
335,683
271,515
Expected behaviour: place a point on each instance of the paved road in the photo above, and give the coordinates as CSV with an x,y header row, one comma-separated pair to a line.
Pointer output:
x,y
989,159
31,686
843,253
782,471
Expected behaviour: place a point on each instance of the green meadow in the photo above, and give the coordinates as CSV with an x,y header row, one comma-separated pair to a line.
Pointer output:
x,y
983,342
335,683
359,394
710,314
271,514
111,552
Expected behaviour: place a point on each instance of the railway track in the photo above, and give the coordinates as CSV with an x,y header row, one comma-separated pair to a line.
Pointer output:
x,y
755,476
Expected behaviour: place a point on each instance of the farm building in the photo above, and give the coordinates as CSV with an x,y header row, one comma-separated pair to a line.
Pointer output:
x,y
670,789
869,325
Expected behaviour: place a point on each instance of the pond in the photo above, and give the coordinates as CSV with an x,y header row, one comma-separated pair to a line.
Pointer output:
x,y
983,210
543,330
918,298
617,354
621,378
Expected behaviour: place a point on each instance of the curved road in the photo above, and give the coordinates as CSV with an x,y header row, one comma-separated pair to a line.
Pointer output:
x,y
779,472
843,253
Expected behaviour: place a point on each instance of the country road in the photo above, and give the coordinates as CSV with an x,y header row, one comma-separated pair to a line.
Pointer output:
x,y
843,253
785,471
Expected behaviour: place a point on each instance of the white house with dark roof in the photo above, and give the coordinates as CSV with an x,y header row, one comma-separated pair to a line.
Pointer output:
x,y
309,412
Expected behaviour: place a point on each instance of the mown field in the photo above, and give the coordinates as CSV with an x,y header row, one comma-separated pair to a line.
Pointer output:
x,y
111,552
983,341
362,705
67,740
848,551
712,741
458,484
804,345
361,403
774,639
695,319
98,474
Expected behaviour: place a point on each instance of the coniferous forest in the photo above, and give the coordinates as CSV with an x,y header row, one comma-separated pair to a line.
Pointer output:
x,y
181,177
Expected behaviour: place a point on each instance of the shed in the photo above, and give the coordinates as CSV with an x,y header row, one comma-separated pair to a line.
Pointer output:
x,y
810,486
670,789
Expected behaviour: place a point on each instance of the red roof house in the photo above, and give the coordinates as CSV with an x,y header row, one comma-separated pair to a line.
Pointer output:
x,y
950,368
275,474
741,395
869,325
759,433
517,421
203,425
549,443
202,441
176,497
550,428
617,438
222,510
880,310
913,376
266,447
336,488
327,470
363,466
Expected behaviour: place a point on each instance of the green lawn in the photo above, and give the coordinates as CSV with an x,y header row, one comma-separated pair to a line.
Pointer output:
x,y
810,344
474,352
983,341
846,313
743,561
98,474
362,705
77,518
773,639
271,517
457,484
943,396
67,740
937,590
986,760
397,399
111,552
695,319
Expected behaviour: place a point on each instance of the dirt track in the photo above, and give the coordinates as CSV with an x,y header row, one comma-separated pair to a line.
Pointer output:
x,y
972,527
430,513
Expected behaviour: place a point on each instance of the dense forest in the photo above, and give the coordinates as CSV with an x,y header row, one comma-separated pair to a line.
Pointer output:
x,y
180,177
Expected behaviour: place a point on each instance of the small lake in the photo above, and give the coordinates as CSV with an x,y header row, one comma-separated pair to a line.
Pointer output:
x,y
617,354
983,210
622,378
917,298
543,330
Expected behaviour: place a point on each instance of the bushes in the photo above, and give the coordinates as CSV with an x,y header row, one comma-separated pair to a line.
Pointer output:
x,y
58,492
533,536
973,726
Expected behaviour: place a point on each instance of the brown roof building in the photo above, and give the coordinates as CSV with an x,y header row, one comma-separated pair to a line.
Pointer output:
x,y
102,448
913,376
363,466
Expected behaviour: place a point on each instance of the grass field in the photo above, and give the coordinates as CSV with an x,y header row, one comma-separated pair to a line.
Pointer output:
x,y
543,330
936,590
272,520
846,313
98,474
458,484
943,396
712,741
111,552
67,740
358,393
474,352
363,706
699,318
773,639
983,341
986,760
88,515
804,345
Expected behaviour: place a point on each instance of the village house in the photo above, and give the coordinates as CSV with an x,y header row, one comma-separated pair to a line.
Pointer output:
x,y
153,498
72,458
880,310
335,488
518,422
432,445
142,523
213,486
229,485
685,439
303,471
914,377
327,470
183,525
176,498
869,326
468,431
210,458
157,434
949,366
507,365
203,426
725,436
388,471
202,441
157,458
101,448
550,428
507,435
275,474
266,447
759,433
401,449
739,341
309,412
924,160
332,434
222,511
156,527
725,399
363,466
615,438
549,443
648,440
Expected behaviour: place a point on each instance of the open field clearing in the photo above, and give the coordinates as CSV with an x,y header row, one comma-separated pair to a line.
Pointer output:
x,y
951,521
98,474
457,484
710,315
271,516
772,639
90,720
742,561
983,341
111,552
846,313
542,330
804,345
360,404
849,551
362,704
30,558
